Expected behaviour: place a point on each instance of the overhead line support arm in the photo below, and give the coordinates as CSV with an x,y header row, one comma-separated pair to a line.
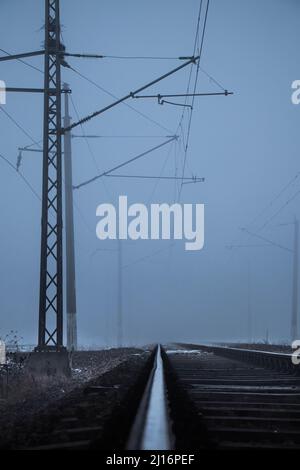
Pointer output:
x,y
21,56
129,95
34,90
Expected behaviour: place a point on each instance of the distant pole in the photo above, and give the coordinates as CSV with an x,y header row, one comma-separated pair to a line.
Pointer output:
x,y
294,322
249,309
69,230
267,336
120,298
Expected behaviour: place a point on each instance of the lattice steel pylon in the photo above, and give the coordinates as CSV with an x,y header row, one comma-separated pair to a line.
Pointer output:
x,y
51,275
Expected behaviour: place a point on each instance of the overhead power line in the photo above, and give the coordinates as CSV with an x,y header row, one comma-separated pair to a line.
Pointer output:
x,y
74,136
211,78
280,209
164,163
271,242
129,57
28,184
145,116
17,169
200,50
271,203
132,57
89,146
275,198
144,258
130,95
21,128
230,247
192,179
125,163
191,69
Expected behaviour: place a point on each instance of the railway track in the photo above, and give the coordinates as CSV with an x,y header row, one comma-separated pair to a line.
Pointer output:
x,y
243,398
184,397
139,421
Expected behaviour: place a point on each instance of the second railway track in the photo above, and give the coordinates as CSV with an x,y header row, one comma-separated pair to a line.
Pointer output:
x,y
239,402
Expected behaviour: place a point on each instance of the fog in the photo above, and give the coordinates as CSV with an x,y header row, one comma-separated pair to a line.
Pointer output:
x,y
245,145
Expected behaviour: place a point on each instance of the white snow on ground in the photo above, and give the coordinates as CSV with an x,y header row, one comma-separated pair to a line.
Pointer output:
x,y
185,351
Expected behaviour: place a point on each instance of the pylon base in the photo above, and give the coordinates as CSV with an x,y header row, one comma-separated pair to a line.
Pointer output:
x,y
49,363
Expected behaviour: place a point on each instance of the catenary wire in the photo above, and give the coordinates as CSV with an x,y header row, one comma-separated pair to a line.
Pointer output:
x,y
35,142
89,147
92,82
28,184
121,165
194,91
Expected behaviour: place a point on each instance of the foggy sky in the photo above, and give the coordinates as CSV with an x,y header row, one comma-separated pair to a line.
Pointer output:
x,y
245,145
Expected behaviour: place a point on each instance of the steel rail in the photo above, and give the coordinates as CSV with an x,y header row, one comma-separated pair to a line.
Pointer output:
x,y
269,359
151,429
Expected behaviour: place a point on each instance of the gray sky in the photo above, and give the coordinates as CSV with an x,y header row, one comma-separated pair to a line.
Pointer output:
x,y
245,145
